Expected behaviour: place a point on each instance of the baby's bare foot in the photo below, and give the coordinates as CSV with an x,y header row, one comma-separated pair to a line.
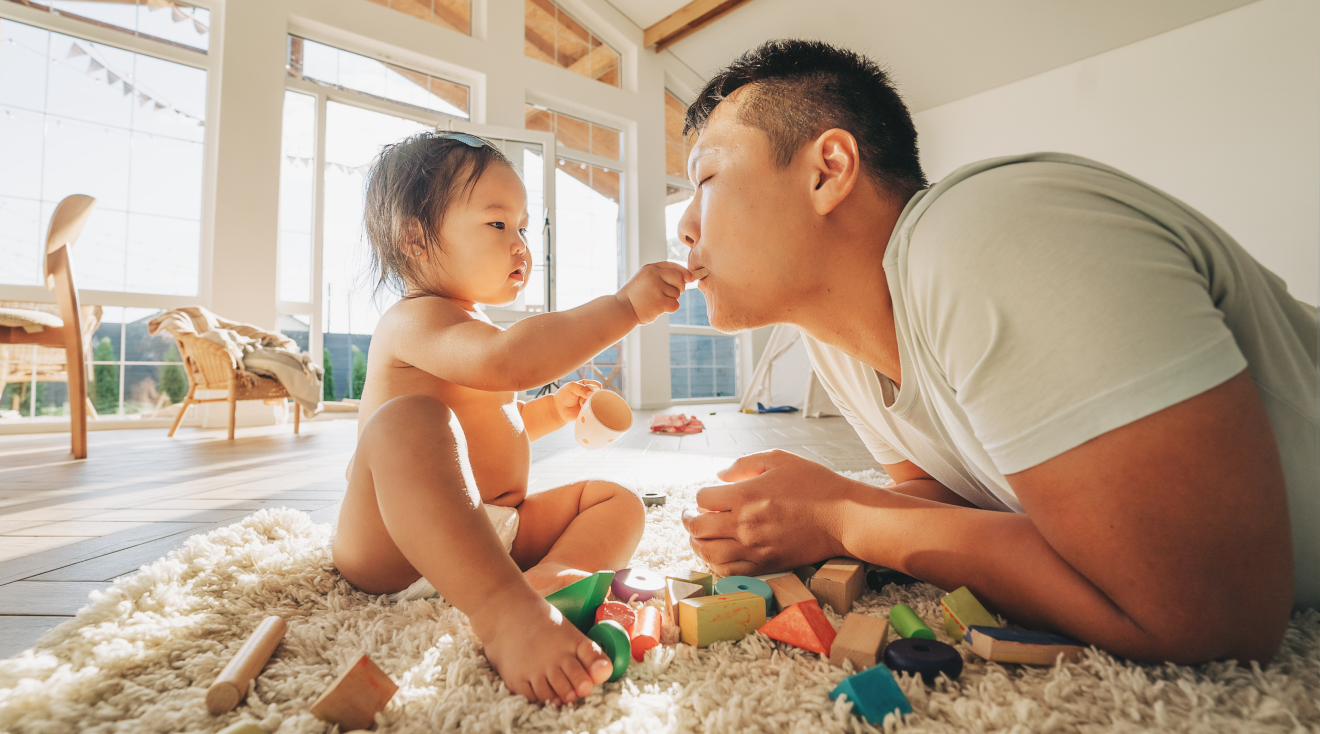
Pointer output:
x,y
538,653
547,578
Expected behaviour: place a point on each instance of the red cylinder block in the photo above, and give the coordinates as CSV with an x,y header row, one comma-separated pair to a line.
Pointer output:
x,y
617,611
646,632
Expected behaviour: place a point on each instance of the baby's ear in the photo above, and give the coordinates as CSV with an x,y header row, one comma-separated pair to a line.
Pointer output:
x,y
414,242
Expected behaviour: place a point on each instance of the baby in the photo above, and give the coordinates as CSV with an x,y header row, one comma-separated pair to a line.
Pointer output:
x,y
437,491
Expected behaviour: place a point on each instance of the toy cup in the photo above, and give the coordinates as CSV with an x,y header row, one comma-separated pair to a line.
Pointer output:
x,y
604,417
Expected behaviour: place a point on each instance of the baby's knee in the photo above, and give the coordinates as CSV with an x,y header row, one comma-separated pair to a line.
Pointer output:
x,y
618,495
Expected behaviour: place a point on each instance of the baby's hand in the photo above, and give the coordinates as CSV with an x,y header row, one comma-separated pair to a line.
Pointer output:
x,y
655,290
572,396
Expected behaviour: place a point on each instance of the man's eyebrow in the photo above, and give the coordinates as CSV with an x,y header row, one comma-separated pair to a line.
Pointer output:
x,y
703,152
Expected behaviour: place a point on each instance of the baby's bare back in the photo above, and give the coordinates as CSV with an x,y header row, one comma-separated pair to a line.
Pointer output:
x,y
490,422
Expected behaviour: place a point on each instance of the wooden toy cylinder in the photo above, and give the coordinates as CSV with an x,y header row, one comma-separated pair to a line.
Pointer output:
x,y
232,685
735,584
907,624
645,632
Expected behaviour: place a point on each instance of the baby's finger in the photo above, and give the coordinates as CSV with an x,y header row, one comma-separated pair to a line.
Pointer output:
x,y
593,384
675,275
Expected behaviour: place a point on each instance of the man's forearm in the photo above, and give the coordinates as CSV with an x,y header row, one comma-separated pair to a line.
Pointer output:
x,y
1000,556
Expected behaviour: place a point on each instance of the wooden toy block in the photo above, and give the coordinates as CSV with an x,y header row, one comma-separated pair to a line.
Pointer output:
x,y
927,658
637,584
354,699
710,619
874,694
704,579
789,590
734,584
675,592
613,640
234,681
861,639
646,632
578,601
802,625
617,611
838,583
908,624
961,610
1020,646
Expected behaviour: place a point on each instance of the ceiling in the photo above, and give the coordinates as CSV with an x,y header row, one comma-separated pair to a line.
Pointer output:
x,y
937,50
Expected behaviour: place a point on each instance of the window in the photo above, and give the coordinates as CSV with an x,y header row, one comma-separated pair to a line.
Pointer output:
x,y
553,36
456,15
676,146
160,20
316,62
129,129
362,104
574,134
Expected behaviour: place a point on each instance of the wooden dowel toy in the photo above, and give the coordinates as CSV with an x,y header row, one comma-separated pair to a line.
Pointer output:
x,y
700,273
617,611
907,624
232,685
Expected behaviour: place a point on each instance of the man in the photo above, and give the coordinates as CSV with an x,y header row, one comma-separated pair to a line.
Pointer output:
x,y
1098,410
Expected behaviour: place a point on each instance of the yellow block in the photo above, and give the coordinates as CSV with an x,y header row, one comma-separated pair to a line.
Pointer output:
x,y
704,579
961,610
710,619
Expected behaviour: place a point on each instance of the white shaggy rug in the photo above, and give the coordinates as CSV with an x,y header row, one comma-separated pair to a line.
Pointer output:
x,y
139,657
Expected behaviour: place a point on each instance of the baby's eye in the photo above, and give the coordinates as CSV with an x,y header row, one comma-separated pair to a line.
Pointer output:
x,y
496,225
522,232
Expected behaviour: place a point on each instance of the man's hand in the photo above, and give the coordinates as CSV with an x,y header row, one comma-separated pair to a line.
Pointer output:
x,y
571,396
654,290
780,511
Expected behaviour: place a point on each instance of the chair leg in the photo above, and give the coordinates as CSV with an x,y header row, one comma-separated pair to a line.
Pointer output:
x,y
182,409
233,404
297,414
77,382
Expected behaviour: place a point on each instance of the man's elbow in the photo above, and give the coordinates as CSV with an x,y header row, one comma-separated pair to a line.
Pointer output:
x,y
1198,631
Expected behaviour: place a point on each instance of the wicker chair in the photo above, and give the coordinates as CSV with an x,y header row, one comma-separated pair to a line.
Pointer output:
x,y
210,367
60,334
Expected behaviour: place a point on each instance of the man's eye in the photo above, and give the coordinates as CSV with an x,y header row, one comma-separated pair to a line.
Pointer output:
x,y
704,180
496,225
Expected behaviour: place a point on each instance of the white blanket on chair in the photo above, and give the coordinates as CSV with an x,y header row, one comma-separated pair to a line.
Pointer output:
x,y
253,349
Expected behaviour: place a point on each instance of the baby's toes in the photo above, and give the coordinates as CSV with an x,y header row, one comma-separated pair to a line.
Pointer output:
x,y
544,692
564,689
598,667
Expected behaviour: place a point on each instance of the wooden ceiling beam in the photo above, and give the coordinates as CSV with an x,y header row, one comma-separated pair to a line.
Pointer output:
x,y
685,21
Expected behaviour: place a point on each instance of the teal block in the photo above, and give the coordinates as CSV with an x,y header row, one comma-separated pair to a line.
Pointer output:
x,y
578,601
613,640
735,584
874,693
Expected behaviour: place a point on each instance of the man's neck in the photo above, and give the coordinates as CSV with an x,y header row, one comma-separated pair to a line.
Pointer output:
x,y
850,308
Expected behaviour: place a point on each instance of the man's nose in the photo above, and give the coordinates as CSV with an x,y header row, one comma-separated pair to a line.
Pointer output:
x,y
689,225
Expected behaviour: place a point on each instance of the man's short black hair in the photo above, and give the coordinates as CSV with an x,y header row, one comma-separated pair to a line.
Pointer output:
x,y
799,89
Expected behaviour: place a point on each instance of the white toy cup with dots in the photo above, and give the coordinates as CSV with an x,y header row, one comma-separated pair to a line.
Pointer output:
x,y
604,417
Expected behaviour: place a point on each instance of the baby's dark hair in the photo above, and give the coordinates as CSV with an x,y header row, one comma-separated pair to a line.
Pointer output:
x,y
416,180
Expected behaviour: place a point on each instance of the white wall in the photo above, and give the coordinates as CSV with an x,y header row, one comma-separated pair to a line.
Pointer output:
x,y
1223,114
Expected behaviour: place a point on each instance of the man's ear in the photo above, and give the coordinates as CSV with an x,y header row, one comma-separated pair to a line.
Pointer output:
x,y
834,163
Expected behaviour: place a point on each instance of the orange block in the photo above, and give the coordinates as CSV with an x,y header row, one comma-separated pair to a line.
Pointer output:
x,y
646,632
802,625
356,697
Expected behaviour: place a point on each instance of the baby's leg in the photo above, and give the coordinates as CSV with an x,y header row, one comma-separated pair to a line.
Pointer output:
x,y
568,532
412,509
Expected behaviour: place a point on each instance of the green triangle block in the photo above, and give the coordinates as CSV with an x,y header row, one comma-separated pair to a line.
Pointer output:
x,y
578,601
874,693
613,639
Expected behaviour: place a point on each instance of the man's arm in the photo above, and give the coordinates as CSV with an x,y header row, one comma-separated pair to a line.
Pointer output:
x,y
1165,539
913,481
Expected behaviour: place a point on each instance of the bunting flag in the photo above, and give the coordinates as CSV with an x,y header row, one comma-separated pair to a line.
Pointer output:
x,y
111,78
200,27
75,52
160,106
178,15
128,89
143,99
94,66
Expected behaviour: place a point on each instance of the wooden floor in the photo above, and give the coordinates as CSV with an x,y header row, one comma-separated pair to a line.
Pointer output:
x,y
70,527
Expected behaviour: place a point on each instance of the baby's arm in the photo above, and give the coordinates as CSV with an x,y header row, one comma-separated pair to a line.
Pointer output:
x,y
539,348
549,413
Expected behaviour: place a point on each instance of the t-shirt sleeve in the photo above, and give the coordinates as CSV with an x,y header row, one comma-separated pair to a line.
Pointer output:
x,y
1059,305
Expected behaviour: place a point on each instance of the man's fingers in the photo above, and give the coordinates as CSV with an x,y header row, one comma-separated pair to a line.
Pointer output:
x,y
721,552
718,497
707,525
746,467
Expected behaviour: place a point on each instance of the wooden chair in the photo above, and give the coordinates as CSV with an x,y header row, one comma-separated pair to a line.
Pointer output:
x,y
210,367
69,330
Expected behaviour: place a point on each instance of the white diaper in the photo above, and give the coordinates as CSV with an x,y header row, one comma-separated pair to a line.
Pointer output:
x,y
505,522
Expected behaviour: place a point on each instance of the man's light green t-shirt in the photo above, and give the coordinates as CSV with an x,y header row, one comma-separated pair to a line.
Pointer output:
x,y
1043,300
